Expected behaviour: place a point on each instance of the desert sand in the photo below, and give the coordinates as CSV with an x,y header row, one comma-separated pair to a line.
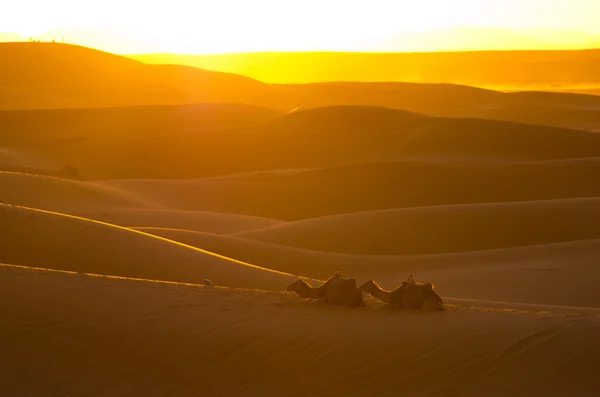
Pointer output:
x,y
143,338
116,206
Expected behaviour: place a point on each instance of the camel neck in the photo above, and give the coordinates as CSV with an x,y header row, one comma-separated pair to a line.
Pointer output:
x,y
381,294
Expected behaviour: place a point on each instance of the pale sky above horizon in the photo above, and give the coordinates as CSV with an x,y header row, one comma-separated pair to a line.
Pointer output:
x,y
259,25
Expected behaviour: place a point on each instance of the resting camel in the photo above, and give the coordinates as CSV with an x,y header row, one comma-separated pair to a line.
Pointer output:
x,y
409,295
337,290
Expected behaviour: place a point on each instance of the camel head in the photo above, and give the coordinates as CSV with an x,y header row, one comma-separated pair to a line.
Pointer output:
x,y
297,286
431,299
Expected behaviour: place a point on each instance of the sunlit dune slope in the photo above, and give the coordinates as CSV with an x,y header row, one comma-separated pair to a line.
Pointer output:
x,y
153,339
210,222
38,127
373,186
548,273
59,194
94,78
56,241
440,229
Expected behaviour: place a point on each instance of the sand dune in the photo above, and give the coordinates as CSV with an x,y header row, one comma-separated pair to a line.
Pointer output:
x,y
20,158
441,229
209,222
303,139
322,137
156,339
370,186
556,274
537,69
35,238
584,101
488,140
31,127
48,69
61,194
552,113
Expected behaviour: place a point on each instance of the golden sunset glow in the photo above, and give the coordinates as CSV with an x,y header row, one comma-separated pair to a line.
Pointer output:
x,y
180,26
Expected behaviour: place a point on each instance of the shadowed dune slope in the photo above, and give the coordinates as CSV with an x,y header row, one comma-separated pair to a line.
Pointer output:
x,y
248,343
434,99
42,126
373,186
307,138
209,222
321,137
33,238
59,194
91,78
441,229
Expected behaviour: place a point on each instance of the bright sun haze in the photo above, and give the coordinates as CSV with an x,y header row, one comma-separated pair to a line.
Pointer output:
x,y
201,27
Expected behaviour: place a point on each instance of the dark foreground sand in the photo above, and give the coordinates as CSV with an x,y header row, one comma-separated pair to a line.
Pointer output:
x,y
68,334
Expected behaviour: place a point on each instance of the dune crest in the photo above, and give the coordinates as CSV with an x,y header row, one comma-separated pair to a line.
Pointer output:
x,y
40,238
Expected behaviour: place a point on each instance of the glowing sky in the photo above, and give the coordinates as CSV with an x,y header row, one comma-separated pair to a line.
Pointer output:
x,y
255,25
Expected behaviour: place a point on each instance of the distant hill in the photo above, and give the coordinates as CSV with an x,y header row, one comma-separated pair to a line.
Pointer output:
x,y
502,69
46,75
56,75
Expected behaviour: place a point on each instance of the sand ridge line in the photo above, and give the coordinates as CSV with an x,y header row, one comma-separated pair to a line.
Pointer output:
x,y
6,205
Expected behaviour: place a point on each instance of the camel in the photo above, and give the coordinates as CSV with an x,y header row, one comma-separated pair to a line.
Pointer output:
x,y
409,295
337,290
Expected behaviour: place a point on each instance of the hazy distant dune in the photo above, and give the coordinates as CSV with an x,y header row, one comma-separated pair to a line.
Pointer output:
x,y
32,238
525,68
441,229
99,79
